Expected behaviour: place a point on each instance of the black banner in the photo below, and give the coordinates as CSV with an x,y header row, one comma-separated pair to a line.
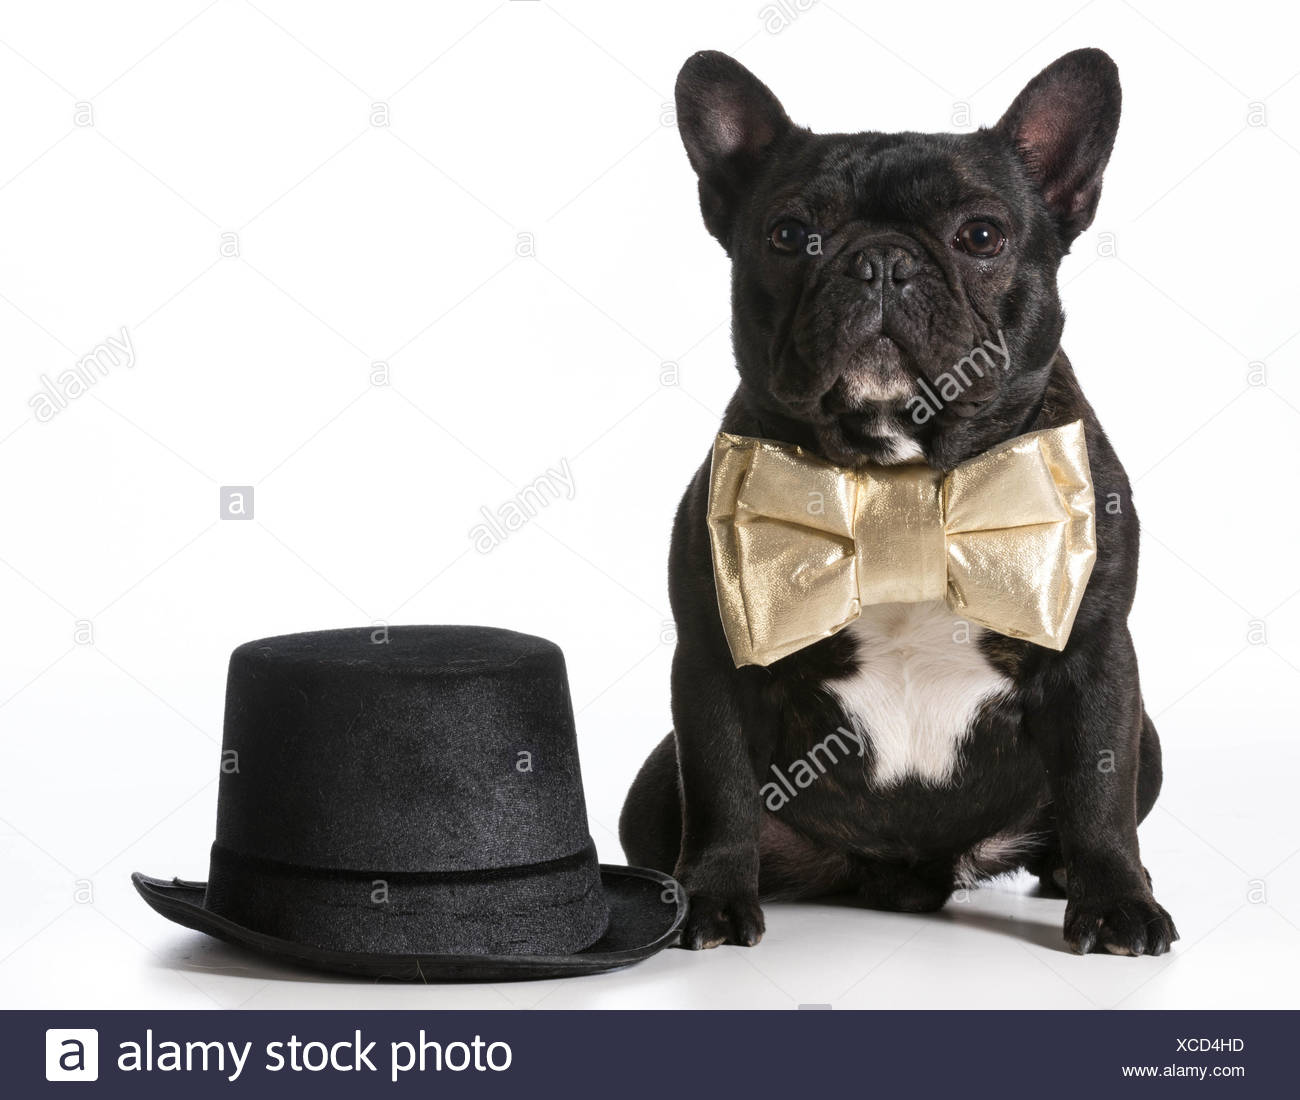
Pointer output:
x,y
647,1054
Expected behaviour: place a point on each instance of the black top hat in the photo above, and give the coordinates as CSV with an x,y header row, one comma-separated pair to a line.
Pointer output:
x,y
406,802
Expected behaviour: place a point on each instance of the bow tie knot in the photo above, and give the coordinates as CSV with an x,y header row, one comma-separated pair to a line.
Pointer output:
x,y
800,545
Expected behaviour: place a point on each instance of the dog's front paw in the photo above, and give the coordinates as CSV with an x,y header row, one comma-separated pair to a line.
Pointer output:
x,y
712,921
1129,924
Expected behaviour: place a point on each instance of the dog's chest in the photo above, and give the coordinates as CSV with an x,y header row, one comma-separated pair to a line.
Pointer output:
x,y
920,683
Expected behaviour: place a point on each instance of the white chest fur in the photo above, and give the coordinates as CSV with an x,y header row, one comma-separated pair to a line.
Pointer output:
x,y
921,682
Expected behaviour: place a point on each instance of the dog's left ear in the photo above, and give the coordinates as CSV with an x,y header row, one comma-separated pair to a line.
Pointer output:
x,y
729,121
1063,126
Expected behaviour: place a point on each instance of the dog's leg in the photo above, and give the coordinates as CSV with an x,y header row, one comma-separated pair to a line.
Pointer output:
x,y
1150,770
1050,865
650,826
1090,727
718,863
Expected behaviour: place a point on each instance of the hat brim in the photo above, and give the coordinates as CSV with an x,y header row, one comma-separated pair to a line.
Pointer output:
x,y
642,921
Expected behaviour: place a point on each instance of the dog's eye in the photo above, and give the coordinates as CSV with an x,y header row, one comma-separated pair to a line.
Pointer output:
x,y
977,238
788,235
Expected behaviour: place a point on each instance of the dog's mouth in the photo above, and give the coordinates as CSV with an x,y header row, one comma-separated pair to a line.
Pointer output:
x,y
876,371
863,418
869,445
886,402
860,432
887,397
879,434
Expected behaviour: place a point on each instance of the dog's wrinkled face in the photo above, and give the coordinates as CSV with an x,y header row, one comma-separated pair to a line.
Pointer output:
x,y
890,288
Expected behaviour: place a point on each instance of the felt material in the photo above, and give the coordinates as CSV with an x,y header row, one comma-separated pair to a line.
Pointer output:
x,y
646,910
346,738
413,792
554,907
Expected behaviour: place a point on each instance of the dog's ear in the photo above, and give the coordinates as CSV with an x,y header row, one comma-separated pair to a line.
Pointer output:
x,y
1063,126
729,121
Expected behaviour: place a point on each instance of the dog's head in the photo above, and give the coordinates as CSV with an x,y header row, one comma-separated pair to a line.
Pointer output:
x,y
890,288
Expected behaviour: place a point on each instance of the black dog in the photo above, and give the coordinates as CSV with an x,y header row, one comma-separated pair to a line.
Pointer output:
x,y
864,266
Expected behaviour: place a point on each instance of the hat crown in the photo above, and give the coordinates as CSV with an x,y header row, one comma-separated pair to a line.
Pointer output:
x,y
401,749
407,802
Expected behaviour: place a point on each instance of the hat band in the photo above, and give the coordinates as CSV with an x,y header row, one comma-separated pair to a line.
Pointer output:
x,y
552,908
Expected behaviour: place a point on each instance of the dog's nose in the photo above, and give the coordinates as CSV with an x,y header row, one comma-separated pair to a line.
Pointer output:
x,y
881,266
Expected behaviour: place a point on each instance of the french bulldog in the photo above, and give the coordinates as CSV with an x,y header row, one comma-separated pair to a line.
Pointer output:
x,y
864,266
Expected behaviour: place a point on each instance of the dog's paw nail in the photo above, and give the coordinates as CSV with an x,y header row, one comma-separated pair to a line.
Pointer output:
x,y
1132,926
711,922
1083,943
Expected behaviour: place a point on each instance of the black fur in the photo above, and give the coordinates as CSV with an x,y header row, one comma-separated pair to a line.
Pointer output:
x,y
1069,760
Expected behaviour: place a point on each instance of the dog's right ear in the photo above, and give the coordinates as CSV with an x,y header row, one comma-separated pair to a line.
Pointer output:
x,y
729,121
1062,127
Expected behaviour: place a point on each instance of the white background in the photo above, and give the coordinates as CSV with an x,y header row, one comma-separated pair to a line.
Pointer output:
x,y
550,123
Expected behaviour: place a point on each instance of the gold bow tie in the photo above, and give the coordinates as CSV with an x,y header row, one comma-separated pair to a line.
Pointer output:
x,y
800,546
